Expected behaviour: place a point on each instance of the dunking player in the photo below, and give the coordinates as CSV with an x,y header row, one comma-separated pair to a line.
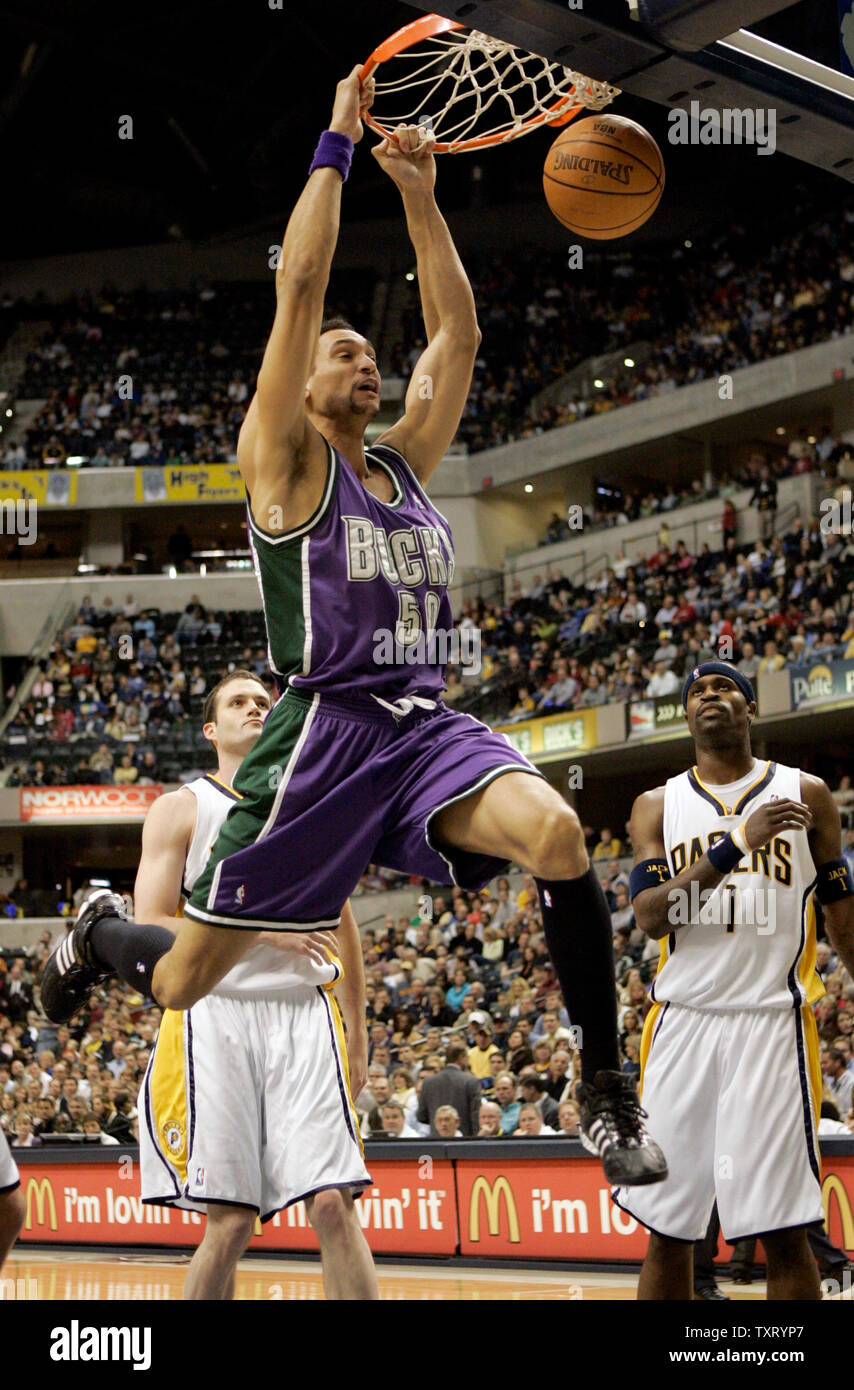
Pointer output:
x,y
360,762
11,1201
245,1106
730,1067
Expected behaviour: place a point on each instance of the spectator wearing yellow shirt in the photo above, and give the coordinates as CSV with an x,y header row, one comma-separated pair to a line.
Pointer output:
x,y
483,1049
86,642
608,847
524,706
772,660
528,892
125,773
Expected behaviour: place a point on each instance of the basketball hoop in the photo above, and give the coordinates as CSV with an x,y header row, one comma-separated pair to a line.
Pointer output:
x,y
466,87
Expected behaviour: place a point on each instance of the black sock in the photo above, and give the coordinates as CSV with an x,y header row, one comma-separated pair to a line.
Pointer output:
x,y
578,932
130,949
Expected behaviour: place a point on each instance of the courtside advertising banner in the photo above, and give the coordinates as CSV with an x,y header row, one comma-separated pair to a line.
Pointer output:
x,y
552,734
496,1209
86,803
99,1203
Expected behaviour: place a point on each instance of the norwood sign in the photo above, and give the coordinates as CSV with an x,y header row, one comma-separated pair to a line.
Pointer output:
x,y
76,803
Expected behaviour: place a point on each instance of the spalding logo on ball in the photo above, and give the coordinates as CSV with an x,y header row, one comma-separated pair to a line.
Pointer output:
x,y
603,177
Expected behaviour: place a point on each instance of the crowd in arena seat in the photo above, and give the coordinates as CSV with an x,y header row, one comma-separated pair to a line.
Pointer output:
x,y
465,981
618,505
192,356
153,378
731,303
634,630
118,699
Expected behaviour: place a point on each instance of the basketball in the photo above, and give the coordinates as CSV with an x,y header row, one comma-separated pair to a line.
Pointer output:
x,y
603,177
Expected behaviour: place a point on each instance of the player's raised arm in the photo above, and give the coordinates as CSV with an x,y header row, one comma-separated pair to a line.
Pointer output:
x,y
278,446
442,377
166,837
834,889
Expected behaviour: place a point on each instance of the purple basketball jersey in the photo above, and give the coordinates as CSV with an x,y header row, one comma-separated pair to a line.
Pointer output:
x,y
356,598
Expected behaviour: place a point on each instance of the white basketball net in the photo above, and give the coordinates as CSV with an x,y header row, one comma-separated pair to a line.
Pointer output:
x,y
467,85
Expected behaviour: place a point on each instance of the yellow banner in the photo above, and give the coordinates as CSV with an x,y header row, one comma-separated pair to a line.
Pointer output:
x,y
555,734
202,482
49,487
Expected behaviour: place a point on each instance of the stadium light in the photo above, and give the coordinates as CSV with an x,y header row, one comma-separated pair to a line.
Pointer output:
x,y
529,487
628,361
599,383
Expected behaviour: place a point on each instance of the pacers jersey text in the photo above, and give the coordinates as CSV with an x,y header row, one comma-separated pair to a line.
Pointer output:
x,y
356,599
750,942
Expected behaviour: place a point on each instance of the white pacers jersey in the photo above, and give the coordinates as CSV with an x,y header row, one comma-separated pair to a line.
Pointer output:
x,y
264,970
751,945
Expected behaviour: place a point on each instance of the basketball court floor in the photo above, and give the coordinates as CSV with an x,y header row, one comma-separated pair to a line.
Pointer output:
x,y
81,1276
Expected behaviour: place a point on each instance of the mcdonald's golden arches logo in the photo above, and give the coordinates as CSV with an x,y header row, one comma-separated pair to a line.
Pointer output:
x,y
834,1186
493,1194
42,1191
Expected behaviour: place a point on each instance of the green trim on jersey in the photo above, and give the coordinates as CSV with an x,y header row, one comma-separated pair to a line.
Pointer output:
x,y
282,570
399,495
260,782
288,537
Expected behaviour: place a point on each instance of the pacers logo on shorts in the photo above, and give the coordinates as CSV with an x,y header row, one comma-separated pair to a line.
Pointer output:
x,y
173,1133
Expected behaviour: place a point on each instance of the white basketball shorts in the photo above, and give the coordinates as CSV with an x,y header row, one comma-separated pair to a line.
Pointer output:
x,y
247,1102
9,1177
733,1099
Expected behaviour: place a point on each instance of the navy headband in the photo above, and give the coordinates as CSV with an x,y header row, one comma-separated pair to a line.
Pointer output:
x,y
717,668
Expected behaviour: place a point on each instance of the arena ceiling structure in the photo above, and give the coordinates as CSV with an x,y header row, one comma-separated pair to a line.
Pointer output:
x,y
227,99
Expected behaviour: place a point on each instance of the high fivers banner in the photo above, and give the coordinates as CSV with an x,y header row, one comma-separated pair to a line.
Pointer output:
x,y
208,482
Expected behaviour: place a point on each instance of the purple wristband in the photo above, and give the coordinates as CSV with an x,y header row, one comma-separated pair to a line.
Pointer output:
x,y
333,151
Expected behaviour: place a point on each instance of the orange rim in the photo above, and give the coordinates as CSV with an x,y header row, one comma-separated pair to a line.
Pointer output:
x,y
425,28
